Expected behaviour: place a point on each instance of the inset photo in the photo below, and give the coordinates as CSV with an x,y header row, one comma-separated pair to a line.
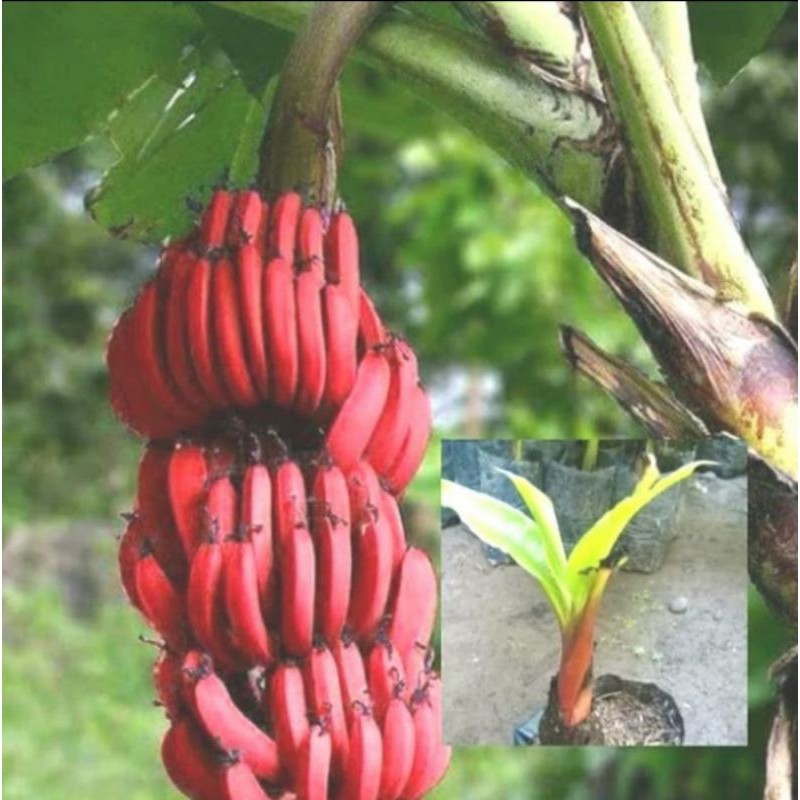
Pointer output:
x,y
594,592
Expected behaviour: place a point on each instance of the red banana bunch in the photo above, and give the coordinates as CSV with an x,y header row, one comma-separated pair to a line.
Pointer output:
x,y
266,546
259,315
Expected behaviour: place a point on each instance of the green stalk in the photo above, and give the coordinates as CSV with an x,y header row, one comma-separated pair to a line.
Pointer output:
x,y
302,143
541,36
590,453
667,25
556,137
693,224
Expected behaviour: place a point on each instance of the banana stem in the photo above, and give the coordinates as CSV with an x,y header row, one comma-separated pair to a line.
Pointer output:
x,y
556,137
667,25
302,145
590,454
544,37
694,227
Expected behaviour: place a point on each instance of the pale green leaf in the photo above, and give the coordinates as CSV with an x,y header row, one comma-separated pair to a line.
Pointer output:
x,y
504,527
541,508
596,544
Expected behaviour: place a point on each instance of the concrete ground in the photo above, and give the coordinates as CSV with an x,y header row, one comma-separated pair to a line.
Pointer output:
x,y
500,641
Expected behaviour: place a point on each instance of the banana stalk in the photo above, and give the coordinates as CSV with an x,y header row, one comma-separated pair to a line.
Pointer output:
x,y
667,25
556,136
694,228
546,38
302,144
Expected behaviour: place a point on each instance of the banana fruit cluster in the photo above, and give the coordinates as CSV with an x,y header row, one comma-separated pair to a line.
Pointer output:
x,y
266,546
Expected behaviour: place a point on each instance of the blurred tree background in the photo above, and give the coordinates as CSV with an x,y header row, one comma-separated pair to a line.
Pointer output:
x,y
468,259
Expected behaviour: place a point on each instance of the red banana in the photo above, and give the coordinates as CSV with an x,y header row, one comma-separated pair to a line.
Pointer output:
x,y
155,514
397,735
248,220
353,425
186,481
281,331
310,242
415,444
148,356
364,490
135,407
256,515
131,401
298,576
204,592
391,511
413,611
386,675
314,765
228,336
289,506
159,601
249,281
310,342
352,673
168,681
331,529
199,326
130,547
242,602
389,435
439,765
297,560
222,720
371,330
189,761
283,226
372,576
341,256
179,365
340,322
286,703
214,222
238,782
363,776
431,757
324,700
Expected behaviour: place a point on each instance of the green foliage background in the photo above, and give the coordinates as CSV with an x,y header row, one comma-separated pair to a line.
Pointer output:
x,y
463,255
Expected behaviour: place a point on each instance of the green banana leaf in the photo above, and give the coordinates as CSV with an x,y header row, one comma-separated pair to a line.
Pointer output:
x,y
536,545
542,510
504,527
596,544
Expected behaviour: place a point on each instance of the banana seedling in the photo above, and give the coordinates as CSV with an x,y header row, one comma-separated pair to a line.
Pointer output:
x,y
573,584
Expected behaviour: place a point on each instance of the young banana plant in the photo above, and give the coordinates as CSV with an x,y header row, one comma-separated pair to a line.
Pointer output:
x,y
573,584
